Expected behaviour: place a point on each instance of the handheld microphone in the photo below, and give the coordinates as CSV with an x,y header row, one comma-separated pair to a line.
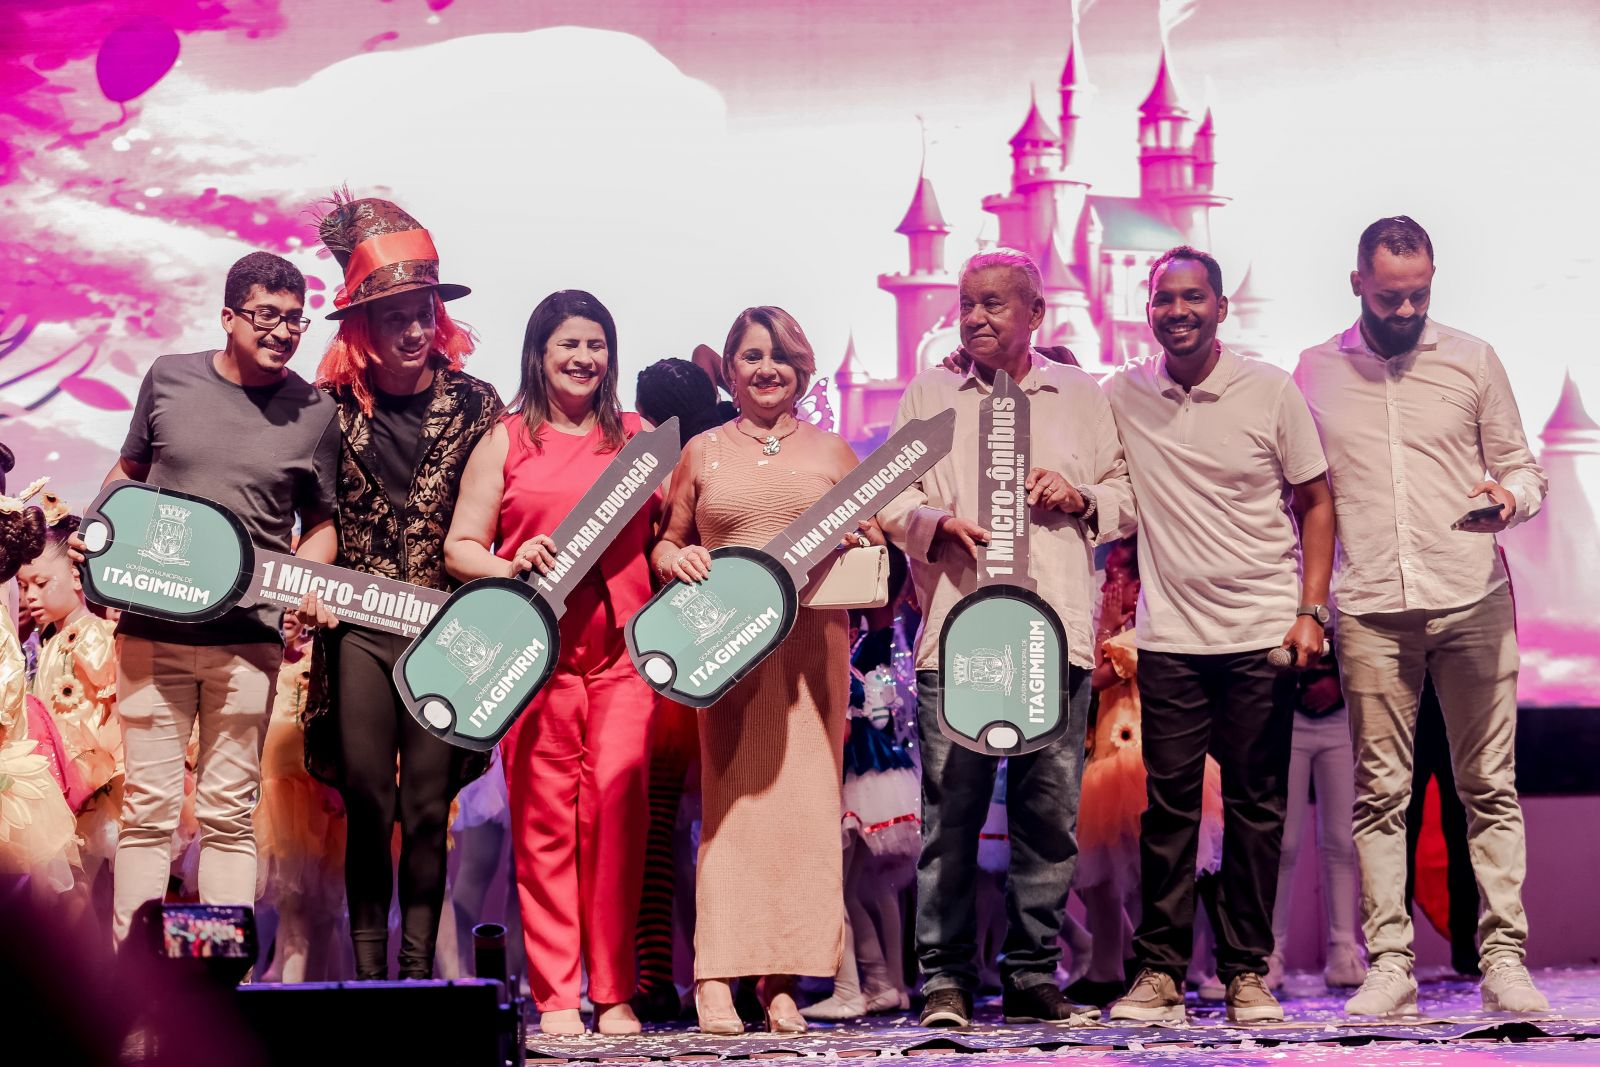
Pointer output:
x,y
1283,658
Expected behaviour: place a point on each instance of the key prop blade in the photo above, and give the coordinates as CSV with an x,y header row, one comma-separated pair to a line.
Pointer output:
x,y
1003,672
861,494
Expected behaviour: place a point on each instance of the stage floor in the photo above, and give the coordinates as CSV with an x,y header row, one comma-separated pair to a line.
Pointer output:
x,y
1454,1031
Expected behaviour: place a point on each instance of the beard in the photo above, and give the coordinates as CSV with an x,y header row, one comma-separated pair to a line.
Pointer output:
x,y
1389,337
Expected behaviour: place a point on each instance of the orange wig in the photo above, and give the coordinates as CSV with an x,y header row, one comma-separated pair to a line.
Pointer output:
x,y
350,354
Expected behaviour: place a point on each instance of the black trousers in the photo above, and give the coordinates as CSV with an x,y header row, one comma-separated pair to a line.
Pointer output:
x,y
376,736
1240,709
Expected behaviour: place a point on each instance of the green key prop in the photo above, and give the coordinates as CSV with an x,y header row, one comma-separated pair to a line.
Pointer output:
x,y
692,641
490,649
187,559
1002,650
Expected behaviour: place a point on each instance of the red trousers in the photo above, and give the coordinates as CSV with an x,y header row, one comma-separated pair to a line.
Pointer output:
x,y
576,766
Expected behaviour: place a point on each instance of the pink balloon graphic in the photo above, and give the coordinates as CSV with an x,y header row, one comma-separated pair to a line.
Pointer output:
x,y
134,57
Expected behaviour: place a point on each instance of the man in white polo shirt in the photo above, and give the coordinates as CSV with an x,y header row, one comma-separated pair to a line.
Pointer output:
x,y
1221,449
1412,415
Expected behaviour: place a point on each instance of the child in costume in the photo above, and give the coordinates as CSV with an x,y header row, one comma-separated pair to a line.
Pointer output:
x,y
38,834
880,799
77,682
300,828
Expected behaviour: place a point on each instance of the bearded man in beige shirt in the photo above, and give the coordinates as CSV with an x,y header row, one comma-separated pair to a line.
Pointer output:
x,y
1412,415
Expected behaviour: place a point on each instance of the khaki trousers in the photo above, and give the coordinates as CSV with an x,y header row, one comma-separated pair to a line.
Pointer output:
x,y
1471,653
163,690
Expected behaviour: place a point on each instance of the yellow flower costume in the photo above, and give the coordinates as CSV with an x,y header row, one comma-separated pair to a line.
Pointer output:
x,y
300,824
38,836
77,681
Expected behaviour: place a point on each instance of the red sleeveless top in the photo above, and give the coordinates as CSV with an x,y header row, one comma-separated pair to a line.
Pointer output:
x,y
542,487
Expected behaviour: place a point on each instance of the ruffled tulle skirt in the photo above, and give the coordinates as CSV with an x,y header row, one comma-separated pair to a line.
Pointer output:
x,y
1111,803
38,834
881,797
300,823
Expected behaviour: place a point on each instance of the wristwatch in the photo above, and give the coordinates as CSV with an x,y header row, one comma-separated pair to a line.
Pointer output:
x,y
1319,612
1089,504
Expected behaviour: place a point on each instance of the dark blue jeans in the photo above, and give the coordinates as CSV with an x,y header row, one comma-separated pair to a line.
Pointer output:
x,y
1042,809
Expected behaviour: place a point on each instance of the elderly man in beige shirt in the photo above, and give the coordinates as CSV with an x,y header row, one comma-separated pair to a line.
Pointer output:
x,y
1412,414
1079,494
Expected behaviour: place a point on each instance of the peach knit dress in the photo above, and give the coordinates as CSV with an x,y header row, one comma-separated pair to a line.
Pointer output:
x,y
769,892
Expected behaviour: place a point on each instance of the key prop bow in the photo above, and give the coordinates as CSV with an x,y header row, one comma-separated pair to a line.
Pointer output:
x,y
187,559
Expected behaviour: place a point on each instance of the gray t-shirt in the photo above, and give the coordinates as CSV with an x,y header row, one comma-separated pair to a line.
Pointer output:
x,y
266,454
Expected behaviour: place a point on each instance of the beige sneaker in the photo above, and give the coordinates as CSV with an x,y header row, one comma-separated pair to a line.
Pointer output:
x,y
1388,989
1154,998
1249,1001
1507,986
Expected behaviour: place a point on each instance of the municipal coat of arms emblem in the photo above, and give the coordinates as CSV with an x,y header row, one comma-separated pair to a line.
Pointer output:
x,y
167,537
467,648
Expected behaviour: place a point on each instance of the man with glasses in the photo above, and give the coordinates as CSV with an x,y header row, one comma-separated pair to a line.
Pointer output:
x,y
235,425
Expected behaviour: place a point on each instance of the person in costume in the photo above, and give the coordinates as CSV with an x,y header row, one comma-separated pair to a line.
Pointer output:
x,y
300,827
408,417
770,886
38,833
76,680
236,426
881,828
576,760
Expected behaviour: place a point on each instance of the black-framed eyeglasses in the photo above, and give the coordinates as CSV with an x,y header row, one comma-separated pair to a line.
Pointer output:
x,y
267,319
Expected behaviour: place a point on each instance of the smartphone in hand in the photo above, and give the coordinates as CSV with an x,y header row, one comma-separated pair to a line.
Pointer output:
x,y
1488,514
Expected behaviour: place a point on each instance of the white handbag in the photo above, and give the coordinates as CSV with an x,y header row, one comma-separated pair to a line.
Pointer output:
x,y
854,578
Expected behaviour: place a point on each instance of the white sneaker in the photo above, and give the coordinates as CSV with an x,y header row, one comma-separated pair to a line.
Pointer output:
x,y
1388,989
1344,969
1507,986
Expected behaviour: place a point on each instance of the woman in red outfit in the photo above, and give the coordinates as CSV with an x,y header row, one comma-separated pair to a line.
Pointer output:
x,y
576,760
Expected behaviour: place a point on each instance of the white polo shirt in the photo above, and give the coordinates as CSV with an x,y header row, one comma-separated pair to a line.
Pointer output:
x,y
1219,557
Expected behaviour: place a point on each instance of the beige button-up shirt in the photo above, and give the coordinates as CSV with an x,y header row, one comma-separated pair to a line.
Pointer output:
x,y
1073,434
1406,437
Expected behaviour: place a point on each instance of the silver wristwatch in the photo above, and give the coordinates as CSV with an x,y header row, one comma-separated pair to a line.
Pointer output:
x,y
1089,504
1319,612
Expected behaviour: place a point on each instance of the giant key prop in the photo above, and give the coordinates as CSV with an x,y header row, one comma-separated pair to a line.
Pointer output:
x,y
1002,651
489,650
693,641
187,559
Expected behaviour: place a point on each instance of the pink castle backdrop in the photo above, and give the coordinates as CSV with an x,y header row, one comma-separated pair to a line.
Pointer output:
x,y
686,158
